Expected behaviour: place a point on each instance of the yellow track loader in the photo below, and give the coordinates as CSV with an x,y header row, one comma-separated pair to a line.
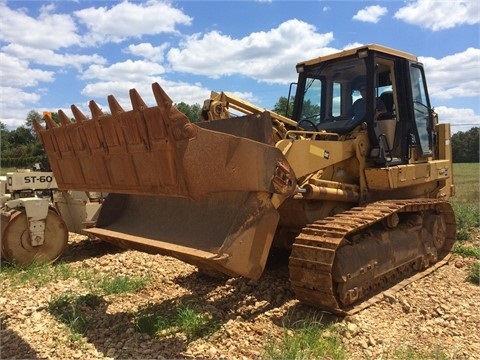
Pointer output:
x,y
360,200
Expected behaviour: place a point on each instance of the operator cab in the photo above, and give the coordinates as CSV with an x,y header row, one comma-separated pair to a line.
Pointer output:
x,y
395,106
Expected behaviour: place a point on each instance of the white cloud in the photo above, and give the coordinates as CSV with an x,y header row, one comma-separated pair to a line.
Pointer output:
x,y
371,14
440,15
352,45
18,73
13,113
178,92
127,19
129,70
147,51
51,58
47,31
456,75
268,56
118,79
186,92
459,119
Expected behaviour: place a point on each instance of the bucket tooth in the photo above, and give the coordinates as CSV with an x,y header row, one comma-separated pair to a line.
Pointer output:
x,y
163,100
161,96
95,110
38,128
115,107
78,115
137,101
50,124
63,118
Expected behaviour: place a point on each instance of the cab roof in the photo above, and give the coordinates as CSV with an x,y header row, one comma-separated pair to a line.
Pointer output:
x,y
349,52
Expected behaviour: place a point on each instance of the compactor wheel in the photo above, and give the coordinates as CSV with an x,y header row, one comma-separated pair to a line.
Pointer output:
x,y
17,247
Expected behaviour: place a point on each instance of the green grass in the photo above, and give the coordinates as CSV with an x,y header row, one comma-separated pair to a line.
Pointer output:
x,y
467,217
185,319
465,203
120,284
411,354
466,250
71,310
40,274
474,273
65,309
466,178
310,339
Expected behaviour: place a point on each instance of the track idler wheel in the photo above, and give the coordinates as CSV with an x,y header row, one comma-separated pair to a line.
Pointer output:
x,y
17,246
437,227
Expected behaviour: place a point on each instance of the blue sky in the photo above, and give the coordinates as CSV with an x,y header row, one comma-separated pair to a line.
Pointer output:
x,y
57,53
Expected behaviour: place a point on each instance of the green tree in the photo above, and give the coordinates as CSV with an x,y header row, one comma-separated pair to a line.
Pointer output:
x,y
31,116
21,147
21,136
310,111
191,111
284,107
4,137
465,146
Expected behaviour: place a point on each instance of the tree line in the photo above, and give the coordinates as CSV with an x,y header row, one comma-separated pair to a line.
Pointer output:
x,y
465,146
20,148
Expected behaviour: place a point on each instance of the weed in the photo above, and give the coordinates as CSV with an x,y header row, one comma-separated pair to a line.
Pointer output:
x,y
149,323
65,308
192,322
466,250
474,273
121,284
466,199
467,217
37,274
412,354
311,340
21,274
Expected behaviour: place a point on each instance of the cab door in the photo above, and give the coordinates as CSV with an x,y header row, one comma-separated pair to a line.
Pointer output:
x,y
422,112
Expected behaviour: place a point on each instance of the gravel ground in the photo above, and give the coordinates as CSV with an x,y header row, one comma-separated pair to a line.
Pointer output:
x,y
438,312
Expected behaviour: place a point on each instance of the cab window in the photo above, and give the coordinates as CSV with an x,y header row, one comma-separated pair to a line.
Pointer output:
x,y
421,109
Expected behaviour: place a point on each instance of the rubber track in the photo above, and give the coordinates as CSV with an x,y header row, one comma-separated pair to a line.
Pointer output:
x,y
314,251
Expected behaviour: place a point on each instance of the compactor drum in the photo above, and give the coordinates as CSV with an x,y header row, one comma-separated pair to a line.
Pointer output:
x,y
32,230
36,218
19,247
361,202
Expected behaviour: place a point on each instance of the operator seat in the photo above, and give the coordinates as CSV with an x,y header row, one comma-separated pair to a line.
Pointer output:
x,y
387,98
386,127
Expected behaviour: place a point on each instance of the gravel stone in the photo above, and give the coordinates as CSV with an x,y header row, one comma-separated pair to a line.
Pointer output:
x,y
437,312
